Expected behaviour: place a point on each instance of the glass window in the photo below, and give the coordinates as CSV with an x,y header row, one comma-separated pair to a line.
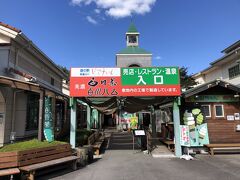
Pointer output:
x,y
234,71
219,111
32,111
206,110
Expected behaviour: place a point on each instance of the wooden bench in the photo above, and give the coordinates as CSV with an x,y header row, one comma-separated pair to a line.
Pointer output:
x,y
32,160
212,147
96,140
169,143
31,169
9,172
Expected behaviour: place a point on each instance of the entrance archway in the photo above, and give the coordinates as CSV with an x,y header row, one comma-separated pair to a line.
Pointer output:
x,y
2,118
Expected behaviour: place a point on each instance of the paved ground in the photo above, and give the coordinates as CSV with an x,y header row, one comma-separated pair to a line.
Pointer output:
x,y
124,164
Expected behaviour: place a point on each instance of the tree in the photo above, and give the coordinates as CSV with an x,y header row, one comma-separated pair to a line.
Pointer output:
x,y
186,80
65,70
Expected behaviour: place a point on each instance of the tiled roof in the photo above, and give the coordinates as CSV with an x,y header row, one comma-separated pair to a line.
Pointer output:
x,y
133,50
10,27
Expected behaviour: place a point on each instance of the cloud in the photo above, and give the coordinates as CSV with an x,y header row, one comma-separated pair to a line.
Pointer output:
x,y
158,57
97,11
119,8
91,20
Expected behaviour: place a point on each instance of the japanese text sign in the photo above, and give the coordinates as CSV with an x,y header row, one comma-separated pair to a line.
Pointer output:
x,y
102,82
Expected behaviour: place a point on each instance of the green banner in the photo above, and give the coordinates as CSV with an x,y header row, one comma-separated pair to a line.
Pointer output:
x,y
212,98
48,122
150,76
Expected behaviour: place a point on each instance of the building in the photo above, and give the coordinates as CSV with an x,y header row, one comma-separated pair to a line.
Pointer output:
x,y
133,55
30,84
225,68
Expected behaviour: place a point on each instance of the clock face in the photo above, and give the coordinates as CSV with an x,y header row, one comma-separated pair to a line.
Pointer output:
x,y
132,39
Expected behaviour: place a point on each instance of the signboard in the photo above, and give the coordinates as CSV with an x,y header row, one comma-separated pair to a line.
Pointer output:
x,y
185,138
104,82
139,133
95,82
134,122
48,120
212,98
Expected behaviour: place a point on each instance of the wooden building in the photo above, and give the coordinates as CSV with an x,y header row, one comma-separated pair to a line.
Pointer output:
x,y
219,102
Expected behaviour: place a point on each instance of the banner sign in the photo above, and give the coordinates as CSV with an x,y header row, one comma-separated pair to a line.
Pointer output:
x,y
48,120
102,82
212,98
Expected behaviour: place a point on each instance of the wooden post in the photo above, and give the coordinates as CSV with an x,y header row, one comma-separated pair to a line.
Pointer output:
x,y
154,132
41,115
176,120
73,123
88,117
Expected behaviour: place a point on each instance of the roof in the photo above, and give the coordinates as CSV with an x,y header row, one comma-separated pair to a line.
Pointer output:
x,y
10,27
132,29
21,34
231,47
133,50
208,85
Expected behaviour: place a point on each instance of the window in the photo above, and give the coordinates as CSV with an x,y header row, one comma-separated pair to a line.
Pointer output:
x,y
32,111
206,109
219,111
52,81
234,71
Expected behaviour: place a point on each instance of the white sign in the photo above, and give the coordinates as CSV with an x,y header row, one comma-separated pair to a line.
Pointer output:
x,y
230,118
139,133
95,72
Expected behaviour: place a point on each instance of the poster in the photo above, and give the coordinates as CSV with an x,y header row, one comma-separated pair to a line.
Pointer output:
x,y
185,139
48,120
134,122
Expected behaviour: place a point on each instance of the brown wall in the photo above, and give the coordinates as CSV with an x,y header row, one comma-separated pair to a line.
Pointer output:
x,y
220,129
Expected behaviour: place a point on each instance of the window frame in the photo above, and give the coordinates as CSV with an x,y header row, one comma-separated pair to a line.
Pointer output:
x,y
232,73
223,115
209,108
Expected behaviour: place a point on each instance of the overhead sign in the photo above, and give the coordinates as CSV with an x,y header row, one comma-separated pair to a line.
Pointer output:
x,y
102,82
150,81
95,82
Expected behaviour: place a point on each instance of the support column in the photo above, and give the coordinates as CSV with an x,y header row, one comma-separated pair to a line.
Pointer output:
x,y
176,120
41,115
73,105
153,119
88,117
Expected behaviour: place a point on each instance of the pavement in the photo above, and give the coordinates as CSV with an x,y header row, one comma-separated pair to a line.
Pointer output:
x,y
121,162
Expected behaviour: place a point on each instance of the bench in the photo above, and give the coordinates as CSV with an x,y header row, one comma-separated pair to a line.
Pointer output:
x,y
169,143
9,172
31,169
41,158
96,140
212,147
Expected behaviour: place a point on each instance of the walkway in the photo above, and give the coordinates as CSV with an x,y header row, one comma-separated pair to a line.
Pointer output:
x,y
119,162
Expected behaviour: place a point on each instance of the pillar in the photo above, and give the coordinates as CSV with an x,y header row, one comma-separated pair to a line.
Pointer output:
x,y
88,117
176,120
73,106
41,115
153,119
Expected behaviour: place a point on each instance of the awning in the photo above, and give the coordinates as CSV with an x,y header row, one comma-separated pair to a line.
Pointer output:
x,y
29,86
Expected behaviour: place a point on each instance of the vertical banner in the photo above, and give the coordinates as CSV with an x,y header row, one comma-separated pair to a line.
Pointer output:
x,y
185,139
48,120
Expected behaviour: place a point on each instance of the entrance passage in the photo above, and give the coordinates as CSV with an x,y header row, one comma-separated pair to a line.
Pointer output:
x,y
122,141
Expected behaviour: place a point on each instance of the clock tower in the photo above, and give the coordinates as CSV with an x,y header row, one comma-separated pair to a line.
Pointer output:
x,y
133,55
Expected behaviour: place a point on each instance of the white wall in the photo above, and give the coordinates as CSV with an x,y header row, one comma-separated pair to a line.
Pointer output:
x,y
3,59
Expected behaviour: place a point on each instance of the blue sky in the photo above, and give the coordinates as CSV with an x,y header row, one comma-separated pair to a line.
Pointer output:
x,y
88,33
